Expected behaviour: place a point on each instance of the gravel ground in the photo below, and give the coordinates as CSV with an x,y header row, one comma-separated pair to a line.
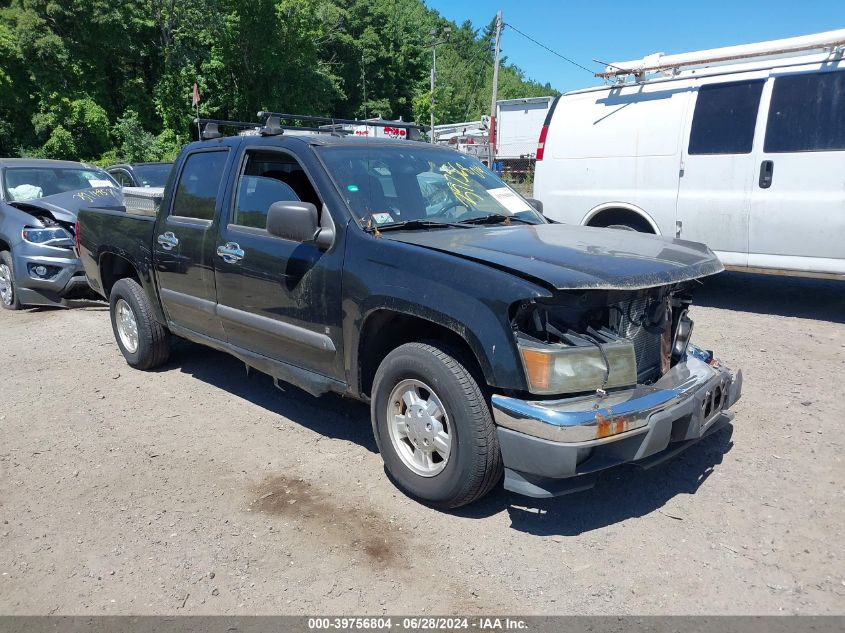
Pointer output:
x,y
198,490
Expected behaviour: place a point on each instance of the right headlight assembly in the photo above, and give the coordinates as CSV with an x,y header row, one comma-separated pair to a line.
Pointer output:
x,y
556,368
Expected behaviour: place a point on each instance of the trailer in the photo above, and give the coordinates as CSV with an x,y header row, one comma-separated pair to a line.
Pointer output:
x,y
517,127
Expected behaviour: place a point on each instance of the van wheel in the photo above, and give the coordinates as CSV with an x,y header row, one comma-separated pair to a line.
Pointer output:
x,y
433,427
142,340
620,227
8,291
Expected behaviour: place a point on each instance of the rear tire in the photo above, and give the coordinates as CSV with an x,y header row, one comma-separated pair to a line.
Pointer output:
x,y
413,380
143,341
8,289
621,227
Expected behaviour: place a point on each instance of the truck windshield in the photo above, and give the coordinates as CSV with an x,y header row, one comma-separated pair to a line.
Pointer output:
x,y
30,183
385,185
153,174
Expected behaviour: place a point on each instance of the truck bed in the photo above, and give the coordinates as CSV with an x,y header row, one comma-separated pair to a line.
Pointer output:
x,y
103,231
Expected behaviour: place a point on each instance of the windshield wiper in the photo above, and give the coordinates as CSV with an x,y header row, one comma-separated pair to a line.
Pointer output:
x,y
409,225
496,218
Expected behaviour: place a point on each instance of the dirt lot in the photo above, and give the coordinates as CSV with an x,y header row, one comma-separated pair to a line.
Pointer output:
x,y
196,489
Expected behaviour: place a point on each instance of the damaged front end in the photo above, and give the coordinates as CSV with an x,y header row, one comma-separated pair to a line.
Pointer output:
x,y
47,269
612,377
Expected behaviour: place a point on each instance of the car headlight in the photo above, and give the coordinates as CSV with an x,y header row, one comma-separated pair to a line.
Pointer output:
x,y
559,369
50,236
683,333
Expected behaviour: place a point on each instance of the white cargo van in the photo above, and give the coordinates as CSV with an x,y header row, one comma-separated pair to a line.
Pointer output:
x,y
742,148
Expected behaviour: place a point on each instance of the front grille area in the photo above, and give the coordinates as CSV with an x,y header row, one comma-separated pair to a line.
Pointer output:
x,y
630,320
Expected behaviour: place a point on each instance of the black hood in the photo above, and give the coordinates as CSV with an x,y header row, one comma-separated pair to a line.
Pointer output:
x,y
573,257
64,207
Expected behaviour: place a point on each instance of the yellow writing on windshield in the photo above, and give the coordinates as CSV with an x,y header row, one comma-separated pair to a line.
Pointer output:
x,y
460,180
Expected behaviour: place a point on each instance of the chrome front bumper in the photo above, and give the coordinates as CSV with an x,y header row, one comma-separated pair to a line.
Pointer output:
x,y
565,438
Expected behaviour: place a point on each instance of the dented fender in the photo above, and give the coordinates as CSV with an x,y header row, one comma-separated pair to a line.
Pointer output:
x,y
469,298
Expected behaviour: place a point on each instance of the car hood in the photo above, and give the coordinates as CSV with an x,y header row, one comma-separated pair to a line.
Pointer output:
x,y
64,207
573,257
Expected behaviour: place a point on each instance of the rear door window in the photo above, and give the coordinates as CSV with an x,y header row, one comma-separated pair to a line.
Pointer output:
x,y
196,193
807,113
724,118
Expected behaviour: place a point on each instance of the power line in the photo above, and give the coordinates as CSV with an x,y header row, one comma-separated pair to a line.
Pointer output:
x,y
563,57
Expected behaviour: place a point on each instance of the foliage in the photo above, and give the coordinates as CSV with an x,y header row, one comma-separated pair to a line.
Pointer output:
x,y
111,80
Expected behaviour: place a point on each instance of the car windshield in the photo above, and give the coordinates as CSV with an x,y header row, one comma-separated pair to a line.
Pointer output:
x,y
30,183
154,174
386,185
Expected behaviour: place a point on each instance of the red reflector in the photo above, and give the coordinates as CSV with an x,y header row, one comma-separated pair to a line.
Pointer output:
x,y
541,144
76,238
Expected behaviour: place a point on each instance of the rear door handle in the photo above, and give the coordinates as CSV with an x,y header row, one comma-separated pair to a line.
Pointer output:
x,y
230,253
767,170
168,241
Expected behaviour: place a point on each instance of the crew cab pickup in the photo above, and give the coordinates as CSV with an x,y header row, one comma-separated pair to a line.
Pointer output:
x,y
486,339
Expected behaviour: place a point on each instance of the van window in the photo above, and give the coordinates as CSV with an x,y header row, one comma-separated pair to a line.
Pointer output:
x,y
196,193
724,118
807,113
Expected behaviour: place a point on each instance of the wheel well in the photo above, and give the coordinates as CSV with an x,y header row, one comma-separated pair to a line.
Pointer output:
x,y
385,330
4,246
621,216
114,268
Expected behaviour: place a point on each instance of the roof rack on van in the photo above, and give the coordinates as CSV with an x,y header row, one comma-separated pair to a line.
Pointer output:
x,y
833,41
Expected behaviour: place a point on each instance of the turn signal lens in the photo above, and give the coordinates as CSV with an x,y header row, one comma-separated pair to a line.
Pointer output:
x,y
538,367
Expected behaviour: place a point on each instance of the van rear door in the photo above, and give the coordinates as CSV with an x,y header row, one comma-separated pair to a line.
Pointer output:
x,y
718,167
798,201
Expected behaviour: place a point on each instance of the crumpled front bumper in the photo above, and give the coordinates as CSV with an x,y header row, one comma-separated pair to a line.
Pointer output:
x,y
66,276
553,447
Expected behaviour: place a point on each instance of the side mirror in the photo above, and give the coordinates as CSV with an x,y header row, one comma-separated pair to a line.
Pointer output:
x,y
296,221
536,204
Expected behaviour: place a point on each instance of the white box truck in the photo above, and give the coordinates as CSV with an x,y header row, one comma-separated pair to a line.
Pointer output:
x,y
518,123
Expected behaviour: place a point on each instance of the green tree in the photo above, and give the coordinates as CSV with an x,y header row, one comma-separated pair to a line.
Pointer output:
x,y
109,79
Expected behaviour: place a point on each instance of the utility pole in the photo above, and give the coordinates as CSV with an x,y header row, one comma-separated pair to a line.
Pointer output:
x,y
364,84
433,82
445,33
491,133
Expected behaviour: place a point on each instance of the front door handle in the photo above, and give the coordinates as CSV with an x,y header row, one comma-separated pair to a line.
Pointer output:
x,y
168,241
231,252
767,170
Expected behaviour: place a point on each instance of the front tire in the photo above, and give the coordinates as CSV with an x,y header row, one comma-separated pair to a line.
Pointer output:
x,y
8,289
433,427
143,341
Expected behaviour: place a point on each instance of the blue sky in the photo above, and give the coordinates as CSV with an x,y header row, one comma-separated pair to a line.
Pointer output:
x,y
618,31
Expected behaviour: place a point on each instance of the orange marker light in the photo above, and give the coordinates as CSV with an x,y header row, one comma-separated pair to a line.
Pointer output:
x,y
607,426
538,367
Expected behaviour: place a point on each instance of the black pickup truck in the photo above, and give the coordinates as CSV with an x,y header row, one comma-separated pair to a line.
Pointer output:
x,y
487,339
